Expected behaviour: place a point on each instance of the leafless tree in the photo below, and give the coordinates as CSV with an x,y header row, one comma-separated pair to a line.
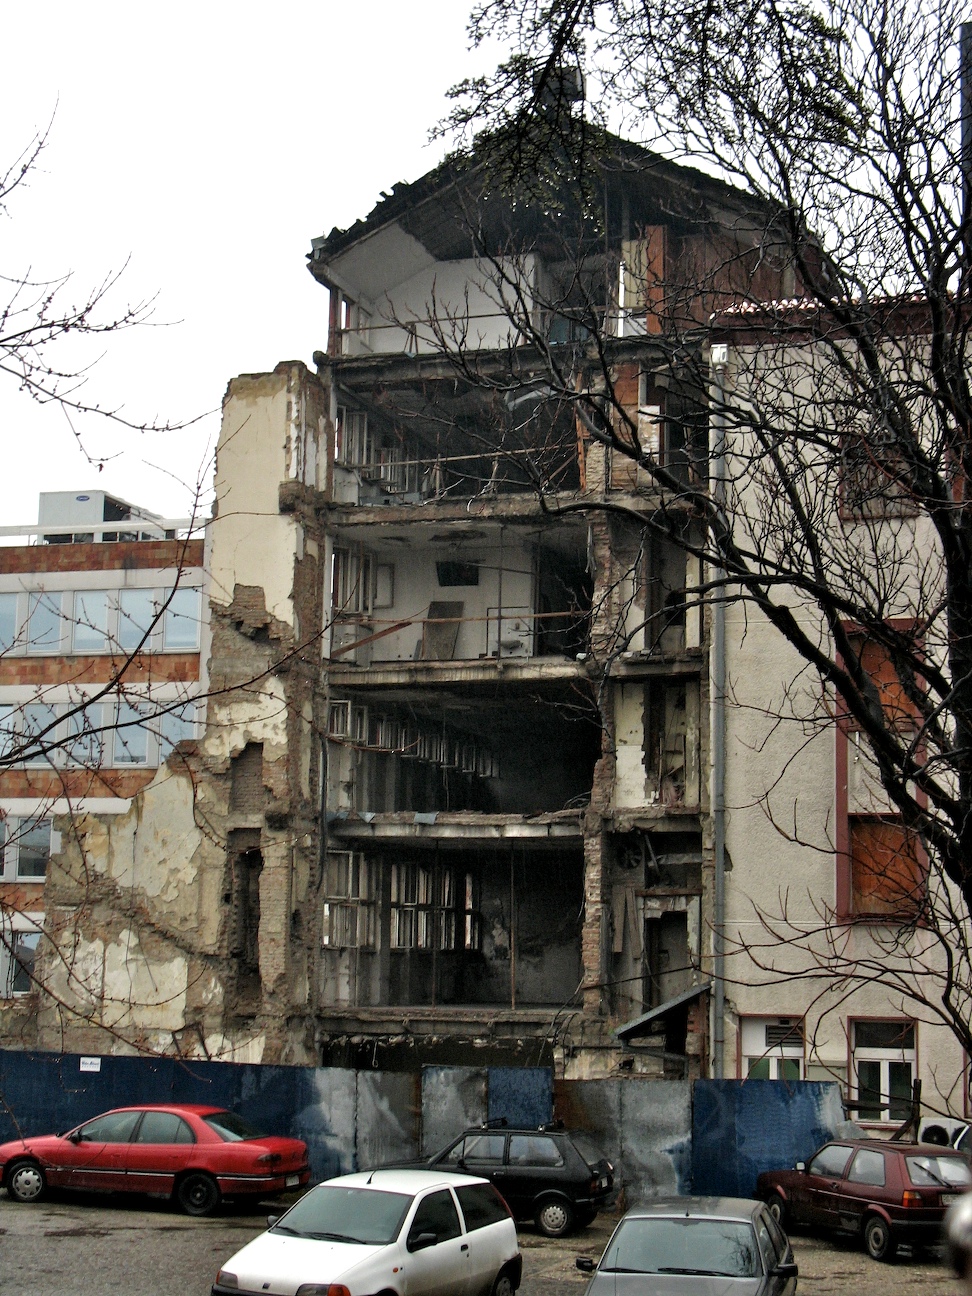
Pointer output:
x,y
823,463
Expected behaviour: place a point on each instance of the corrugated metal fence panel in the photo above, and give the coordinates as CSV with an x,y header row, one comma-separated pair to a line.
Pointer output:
x,y
742,1127
643,1126
453,1098
324,1114
595,1106
389,1117
656,1138
521,1096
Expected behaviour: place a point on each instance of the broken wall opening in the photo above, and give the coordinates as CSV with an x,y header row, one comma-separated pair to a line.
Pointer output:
x,y
656,918
459,593
483,926
245,860
416,442
497,749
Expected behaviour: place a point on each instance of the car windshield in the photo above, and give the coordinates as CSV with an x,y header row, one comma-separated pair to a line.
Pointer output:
x,y
723,1248
588,1149
231,1127
345,1214
939,1171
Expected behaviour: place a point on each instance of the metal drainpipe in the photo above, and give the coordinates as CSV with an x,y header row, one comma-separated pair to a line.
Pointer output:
x,y
718,359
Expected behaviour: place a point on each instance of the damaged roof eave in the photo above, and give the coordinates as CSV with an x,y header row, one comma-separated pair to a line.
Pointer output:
x,y
639,1026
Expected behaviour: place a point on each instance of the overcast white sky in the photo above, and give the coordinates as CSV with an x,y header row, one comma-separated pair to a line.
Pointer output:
x,y
206,143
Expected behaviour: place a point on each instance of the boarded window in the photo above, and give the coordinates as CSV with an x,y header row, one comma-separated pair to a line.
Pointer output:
x,y
887,873
890,682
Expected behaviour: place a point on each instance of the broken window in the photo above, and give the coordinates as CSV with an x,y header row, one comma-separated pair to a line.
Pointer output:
x,y
424,908
351,581
349,906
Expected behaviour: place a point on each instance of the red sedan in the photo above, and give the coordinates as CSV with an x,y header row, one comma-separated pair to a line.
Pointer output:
x,y
195,1154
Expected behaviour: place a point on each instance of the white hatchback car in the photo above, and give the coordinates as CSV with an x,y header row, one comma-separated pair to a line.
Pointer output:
x,y
394,1232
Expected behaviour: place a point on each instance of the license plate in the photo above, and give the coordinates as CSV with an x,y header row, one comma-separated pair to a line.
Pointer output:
x,y
293,1181
948,1198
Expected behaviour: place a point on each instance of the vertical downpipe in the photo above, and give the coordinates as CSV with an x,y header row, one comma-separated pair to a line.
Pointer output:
x,y
718,359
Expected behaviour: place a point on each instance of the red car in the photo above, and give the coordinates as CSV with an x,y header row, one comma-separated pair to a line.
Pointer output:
x,y
884,1192
195,1154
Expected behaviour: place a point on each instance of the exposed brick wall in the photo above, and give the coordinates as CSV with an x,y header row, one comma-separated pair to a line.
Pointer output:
x,y
138,555
46,783
147,668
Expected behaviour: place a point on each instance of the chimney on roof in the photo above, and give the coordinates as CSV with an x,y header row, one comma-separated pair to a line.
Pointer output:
x,y
557,89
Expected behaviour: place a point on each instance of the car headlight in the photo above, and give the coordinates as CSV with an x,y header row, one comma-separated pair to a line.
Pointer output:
x,y
227,1279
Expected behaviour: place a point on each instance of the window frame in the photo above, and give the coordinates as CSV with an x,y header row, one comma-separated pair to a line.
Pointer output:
x,y
775,1053
13,926
884,1057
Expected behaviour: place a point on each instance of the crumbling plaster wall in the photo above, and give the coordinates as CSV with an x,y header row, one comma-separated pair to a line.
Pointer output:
x,y
133,926
140,906
266,609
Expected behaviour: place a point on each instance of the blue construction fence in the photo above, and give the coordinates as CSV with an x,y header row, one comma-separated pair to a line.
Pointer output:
x,y
742,1127
349,1119
665,1137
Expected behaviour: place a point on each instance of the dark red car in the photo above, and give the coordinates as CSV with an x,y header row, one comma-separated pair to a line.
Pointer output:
x,y
195,1154
885,1192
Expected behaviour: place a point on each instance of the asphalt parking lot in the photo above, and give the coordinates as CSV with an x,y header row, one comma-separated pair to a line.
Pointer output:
x,y
71,1245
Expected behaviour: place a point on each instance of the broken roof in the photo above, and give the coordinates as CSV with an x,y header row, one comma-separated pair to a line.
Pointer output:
x,y
435,210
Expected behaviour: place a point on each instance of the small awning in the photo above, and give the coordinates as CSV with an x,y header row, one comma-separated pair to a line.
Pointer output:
x,y
642,1025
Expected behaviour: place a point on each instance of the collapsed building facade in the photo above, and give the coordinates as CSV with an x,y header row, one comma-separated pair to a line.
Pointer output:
x,y
452,796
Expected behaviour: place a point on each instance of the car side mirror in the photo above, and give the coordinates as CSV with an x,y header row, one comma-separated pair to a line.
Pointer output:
x,y
801,1166
585,1264
461,1163
74,1136
271,1220
787,1270
421,1241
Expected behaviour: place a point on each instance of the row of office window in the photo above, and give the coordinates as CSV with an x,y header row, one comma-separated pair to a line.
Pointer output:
x,y
882,1056
50,622
115,731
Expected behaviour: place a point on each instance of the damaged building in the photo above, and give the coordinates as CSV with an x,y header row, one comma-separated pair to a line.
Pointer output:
x,y
451,800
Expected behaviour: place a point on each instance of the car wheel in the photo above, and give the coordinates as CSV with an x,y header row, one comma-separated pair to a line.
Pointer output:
x,y
26,1182
197,1194
554,1217
880,1242
777,1208
503,1286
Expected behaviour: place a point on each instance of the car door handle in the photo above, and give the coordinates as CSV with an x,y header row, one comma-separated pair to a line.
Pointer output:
x,y
464,1247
